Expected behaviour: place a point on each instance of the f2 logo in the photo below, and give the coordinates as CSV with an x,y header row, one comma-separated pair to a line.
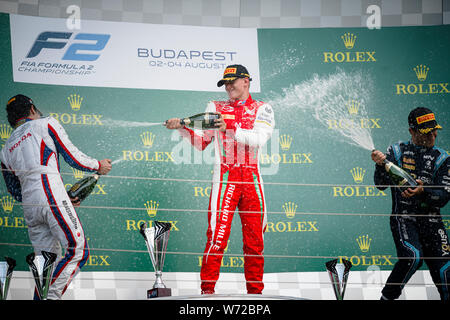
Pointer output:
x,y
42,42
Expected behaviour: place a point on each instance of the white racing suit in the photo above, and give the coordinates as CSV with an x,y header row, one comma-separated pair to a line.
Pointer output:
x,y
30,167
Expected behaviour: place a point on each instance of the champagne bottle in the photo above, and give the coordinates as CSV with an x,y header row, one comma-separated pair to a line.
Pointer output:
x,y
399,176
203,121
83,187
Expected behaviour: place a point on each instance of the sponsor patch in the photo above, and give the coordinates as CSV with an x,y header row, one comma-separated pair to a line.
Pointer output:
x,y
229,70
425,118
228,116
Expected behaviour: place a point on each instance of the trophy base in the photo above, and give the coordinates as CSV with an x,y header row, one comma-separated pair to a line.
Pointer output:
x,y
159,292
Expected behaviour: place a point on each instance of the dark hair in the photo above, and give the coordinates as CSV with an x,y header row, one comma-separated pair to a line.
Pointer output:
x,y
18,107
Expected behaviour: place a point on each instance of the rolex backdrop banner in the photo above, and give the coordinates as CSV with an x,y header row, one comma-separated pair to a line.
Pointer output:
x,y
336,93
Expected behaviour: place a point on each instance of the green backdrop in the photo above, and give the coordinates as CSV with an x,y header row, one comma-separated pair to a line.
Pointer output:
x,y
335,214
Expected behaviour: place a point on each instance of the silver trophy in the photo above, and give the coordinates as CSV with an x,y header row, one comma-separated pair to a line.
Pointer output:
x,y
41,266
338,273
6,271
156,239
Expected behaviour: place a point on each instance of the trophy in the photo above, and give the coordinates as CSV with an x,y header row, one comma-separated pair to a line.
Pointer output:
x,y
156,239
6,271
338,273
42,272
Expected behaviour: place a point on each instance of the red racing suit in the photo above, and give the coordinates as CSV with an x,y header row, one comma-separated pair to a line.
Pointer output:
x,y
236,183
30,167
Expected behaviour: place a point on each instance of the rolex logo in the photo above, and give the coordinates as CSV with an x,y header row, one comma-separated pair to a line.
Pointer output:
x,y
349,40
147,138
422,87
5,131
151,207
364,242
75,101
285,141
353,106
290,208
7,203
421,72
358,174
78,174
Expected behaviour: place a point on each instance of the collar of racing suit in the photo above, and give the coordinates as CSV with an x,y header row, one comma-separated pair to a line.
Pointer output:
x,y
419,148
21,121
239,103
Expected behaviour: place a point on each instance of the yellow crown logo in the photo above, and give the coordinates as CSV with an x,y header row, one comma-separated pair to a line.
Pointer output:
x,y
285,141
421,72
353,106
8,203
349,40
75,101
364,242
5,131
147,138
78,174
151,208
358,174
290,208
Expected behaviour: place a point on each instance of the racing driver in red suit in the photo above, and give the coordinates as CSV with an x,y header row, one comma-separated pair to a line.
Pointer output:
x,y
244,127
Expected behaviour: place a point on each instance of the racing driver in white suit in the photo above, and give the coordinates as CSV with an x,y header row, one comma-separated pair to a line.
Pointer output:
x,y
30,167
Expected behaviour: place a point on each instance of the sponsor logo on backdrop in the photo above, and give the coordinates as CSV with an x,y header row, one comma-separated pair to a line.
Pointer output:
x,y
8,204
151,209
290,209
423,86
5,131
349,55
353,107
364,242
7,220
187,58
71,52
286,156
147,140
358,175
75,103
103,54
